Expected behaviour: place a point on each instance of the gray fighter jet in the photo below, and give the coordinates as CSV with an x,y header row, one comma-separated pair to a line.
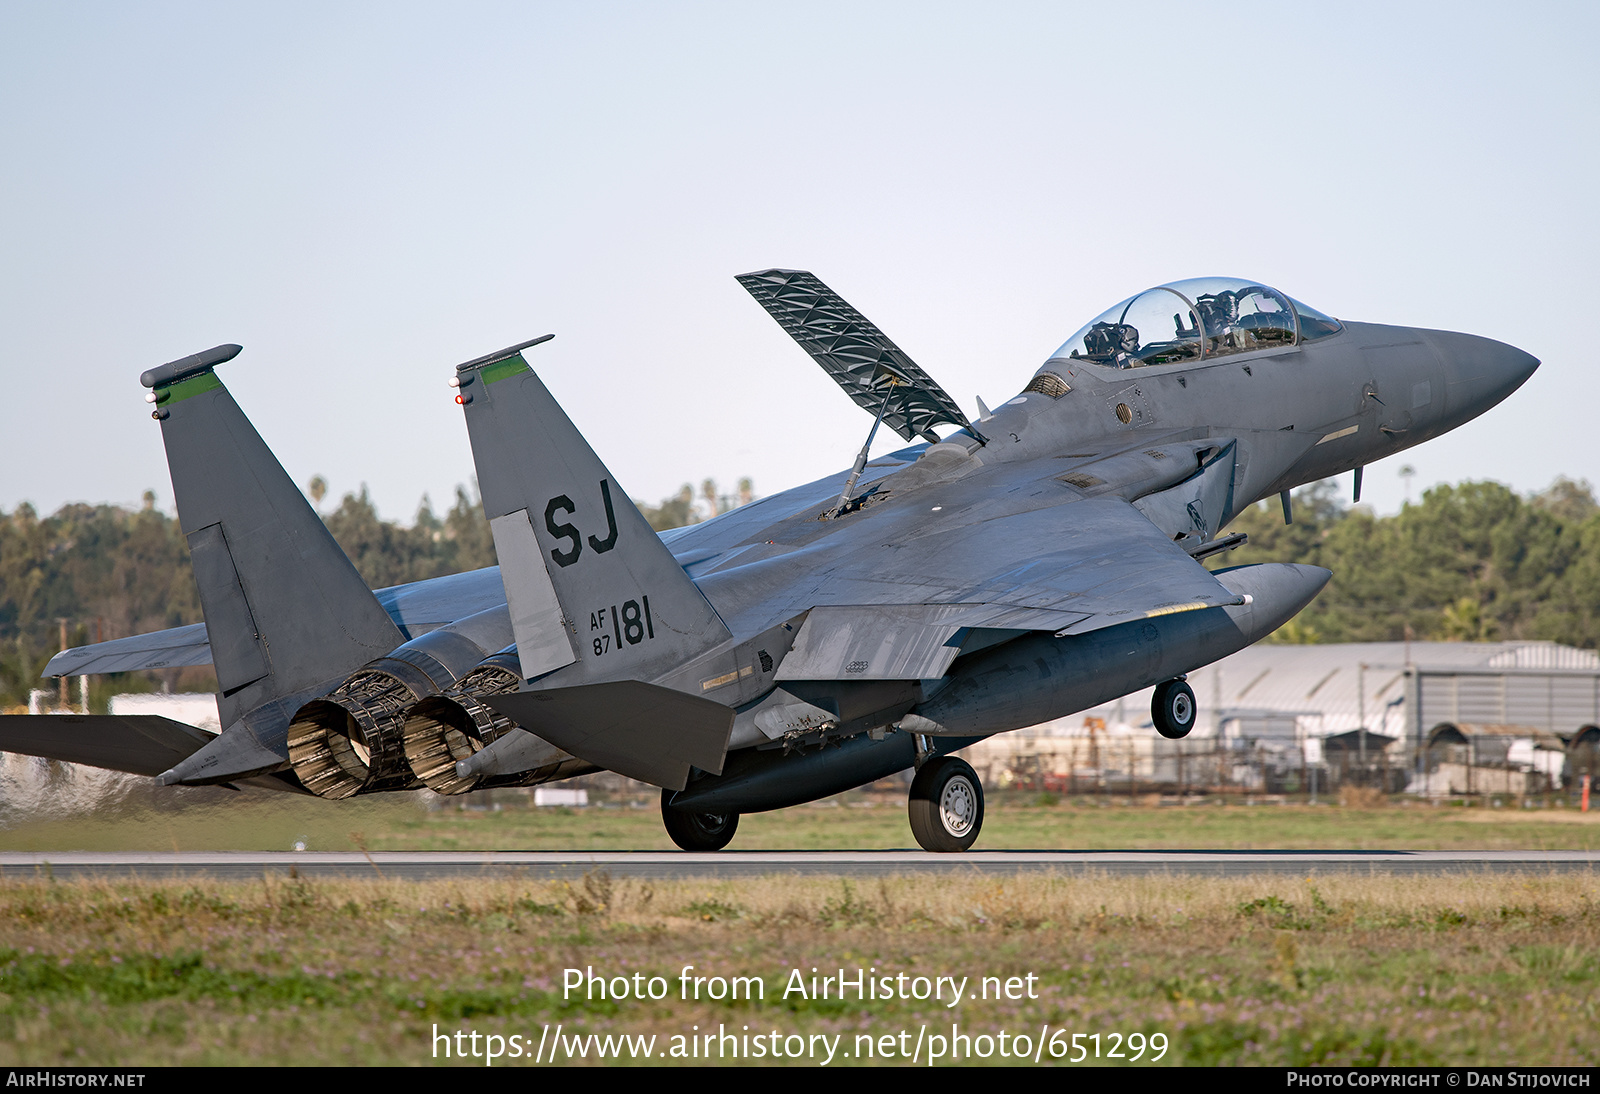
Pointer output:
x,y
1040,560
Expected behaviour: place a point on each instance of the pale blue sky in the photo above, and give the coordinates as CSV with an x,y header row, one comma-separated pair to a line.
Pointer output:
x,y
364,195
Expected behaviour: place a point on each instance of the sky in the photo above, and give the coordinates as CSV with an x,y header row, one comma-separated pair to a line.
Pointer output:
x,y
364,195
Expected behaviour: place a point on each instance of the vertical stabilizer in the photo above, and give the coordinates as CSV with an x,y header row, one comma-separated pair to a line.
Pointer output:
x,y
285,609
586,577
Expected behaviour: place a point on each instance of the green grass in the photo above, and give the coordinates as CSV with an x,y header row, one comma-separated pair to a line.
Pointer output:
x,y
1275,970
1338,970
255,821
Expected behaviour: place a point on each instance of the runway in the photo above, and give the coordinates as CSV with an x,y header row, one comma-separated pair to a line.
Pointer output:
x,y
666,865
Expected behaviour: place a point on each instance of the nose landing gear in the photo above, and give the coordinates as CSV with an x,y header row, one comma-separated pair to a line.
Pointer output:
x,y
1173,709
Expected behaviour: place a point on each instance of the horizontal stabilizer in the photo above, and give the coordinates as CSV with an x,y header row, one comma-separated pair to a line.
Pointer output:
x,y
144,744
860,357
639,730
180,646
416,608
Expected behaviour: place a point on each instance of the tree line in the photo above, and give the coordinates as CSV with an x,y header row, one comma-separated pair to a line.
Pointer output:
x,y
109,572
1474,561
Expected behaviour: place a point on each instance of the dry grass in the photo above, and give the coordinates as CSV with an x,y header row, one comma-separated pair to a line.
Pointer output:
x,y
1498,970
1527,816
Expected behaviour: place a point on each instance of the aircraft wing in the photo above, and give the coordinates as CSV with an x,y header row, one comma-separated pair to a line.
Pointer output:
x,y
902,611
1099,559
860,357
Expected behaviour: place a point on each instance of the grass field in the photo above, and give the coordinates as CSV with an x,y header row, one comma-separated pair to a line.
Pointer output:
x,y
1341,970
1395,970
391,822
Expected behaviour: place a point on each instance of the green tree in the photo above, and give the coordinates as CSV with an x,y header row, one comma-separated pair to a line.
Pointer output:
x,y
673,512
1472,561
468,544
1570,501
108,571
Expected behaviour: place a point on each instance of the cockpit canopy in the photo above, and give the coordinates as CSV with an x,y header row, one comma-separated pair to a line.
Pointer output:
x,y
1202,317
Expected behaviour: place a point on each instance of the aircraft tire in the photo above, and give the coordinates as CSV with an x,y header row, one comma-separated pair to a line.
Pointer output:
x,y
1173,709
946,805
698,831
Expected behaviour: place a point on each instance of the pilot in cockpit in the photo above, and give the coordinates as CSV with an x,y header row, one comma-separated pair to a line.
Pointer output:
x,y
1115,343
1216,316
1219,314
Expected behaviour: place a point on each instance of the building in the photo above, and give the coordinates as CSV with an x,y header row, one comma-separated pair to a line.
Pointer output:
x,y
1425,717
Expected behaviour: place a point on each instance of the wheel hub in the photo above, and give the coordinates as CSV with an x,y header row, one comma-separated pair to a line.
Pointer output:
x,y
711,823
958,805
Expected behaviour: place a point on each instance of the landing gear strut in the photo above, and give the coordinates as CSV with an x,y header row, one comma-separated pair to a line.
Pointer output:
x,y
946,805
1172,709
698,831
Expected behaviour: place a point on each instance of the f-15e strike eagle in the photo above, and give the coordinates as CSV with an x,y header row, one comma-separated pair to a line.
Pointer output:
x,y
1040,560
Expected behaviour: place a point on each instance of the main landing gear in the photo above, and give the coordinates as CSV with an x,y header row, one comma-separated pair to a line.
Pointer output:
x,y
945,808
698,831
946,805
1172,709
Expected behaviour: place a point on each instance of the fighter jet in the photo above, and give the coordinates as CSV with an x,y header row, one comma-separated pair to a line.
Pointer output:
x,y
1042,559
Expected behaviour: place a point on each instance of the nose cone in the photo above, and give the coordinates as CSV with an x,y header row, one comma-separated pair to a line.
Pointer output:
x,y
1479,372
